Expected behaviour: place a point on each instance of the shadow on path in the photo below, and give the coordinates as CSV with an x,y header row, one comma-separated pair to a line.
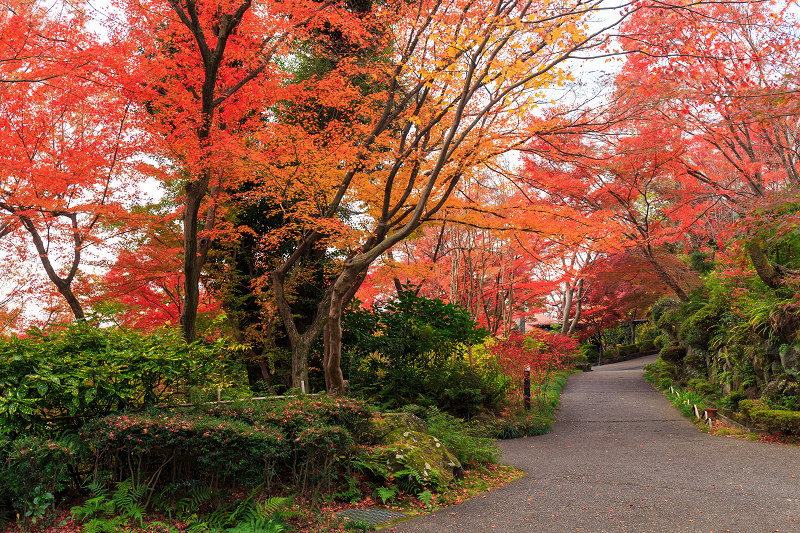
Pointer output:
x,y
621,458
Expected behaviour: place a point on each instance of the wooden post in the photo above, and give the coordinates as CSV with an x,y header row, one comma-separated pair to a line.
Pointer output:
x,y
526,390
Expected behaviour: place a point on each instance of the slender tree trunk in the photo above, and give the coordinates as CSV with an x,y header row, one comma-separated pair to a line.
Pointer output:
x,y
578,307
63,285
566,307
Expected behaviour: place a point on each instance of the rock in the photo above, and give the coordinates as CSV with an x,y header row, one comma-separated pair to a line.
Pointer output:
x,y
781,389
790,357
409,446
423,453
380,426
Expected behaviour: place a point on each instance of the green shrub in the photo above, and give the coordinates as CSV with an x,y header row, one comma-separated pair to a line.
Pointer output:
x,y
667,370
731,401
83,372
773,420
673,354
591,352
627,350
694,360
659,342
702,387
196,446
32,471
417,355
317,431
646,345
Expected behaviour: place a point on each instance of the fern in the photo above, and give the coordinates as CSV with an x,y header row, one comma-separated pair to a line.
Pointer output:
x,y
127,499
385,493
98,504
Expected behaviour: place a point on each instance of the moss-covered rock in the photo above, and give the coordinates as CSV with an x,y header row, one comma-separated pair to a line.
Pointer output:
x,y
382,425
790,356
411,452
423,455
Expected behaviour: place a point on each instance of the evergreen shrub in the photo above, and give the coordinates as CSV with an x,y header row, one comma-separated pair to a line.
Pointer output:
x,y
673,354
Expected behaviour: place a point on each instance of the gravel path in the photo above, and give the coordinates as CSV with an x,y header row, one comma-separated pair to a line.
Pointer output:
x,y
621,458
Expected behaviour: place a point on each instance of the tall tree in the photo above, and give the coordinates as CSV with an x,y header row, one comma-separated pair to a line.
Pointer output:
x,y
207,73
66,138
460,78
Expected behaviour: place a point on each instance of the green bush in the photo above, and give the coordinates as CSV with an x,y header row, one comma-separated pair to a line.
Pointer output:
x,y
627,350
778,420
659,342
702,387
673,354
646,345
195,446
694,360
667,370
731,401
417,353
56,379
317,431
773,420
32,472
591,352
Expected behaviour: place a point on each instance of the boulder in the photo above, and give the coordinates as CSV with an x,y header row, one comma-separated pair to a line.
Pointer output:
x,y
409,447
380,426
790,357
424,454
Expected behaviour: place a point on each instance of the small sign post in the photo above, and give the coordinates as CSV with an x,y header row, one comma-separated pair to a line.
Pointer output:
x,y
526,390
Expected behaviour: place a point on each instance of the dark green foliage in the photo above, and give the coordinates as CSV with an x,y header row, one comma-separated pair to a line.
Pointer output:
x,y
667,370
316,431
702,387
698,329
54,380
591,352
773,420
193,445
731,401
673,354
32,472
694,360
413,350
646,346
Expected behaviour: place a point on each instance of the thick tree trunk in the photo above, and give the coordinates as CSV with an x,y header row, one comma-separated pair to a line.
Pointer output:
x,y
769,273
191,273
343,291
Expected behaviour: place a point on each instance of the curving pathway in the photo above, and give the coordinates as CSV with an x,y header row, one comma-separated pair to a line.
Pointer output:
x,y
621,458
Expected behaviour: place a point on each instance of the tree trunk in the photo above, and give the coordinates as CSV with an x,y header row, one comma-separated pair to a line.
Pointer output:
x,y
343,291
578,307
567,306
299,342
64,285
195,191
769,273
